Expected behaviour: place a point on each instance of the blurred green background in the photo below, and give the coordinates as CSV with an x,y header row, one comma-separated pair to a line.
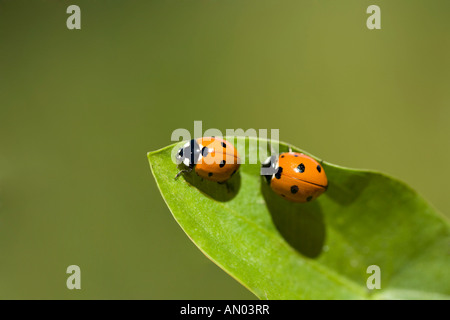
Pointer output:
x,y
79,110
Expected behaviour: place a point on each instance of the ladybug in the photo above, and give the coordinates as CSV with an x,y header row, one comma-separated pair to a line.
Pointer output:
x,y
211,158
295,176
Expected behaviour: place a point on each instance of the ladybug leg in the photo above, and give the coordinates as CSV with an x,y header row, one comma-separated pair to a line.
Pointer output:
x,y
226,184
182,171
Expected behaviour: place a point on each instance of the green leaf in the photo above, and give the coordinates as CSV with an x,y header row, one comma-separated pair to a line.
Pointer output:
x,y
318,250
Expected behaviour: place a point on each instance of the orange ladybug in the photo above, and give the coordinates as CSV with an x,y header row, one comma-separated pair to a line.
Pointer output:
x,y
211,158
295,176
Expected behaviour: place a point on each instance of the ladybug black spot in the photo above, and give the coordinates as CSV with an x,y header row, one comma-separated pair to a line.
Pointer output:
x,y
309,198
300,168
296,155
222,164
278,174
282,156
319,168
210,174
224,145
294,189
205,151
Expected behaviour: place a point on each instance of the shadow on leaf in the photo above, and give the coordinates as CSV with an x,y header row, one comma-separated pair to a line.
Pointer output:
x,y
218,191
300,224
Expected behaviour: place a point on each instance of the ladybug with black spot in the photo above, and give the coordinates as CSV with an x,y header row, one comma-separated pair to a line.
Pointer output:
x,y
211,158
295,176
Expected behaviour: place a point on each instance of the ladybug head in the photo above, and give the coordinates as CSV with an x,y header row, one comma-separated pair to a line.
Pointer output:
x,y
189,154
269,167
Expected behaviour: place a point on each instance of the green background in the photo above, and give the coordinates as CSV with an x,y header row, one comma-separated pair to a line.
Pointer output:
x,y
79,110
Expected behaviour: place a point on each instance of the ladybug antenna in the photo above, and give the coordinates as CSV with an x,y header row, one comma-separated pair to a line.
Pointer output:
x,y
181,171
